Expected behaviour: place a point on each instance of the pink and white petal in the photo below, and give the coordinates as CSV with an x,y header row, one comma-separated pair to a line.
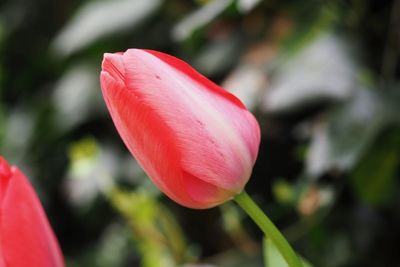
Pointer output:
x,y
204,119
241,118
187,70
147,136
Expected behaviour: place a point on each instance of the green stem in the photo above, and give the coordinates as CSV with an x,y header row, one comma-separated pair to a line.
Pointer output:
x,y
269,229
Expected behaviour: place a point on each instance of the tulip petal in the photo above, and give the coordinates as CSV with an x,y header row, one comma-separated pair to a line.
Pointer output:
x,y
194,112
250,130
151,142
26,238
196,141
182,66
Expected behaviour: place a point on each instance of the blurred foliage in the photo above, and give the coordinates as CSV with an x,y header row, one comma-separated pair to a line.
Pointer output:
x,y
159,239
273,258
321,76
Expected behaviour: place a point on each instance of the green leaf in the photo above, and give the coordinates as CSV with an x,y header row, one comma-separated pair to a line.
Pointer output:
x,y
350,129
83,29
321,18
273,258
199,18
374,178
305,79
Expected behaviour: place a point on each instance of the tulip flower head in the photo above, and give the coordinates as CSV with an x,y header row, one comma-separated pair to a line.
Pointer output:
x,y
26,238
197,142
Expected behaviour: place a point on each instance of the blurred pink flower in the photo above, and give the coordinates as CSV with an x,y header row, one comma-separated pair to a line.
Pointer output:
x,y
26,238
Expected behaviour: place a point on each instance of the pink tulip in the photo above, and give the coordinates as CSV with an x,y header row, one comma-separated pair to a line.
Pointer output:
x,y
26,238
197,142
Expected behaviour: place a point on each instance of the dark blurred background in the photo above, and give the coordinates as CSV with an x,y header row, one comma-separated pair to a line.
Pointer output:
x,y
322,78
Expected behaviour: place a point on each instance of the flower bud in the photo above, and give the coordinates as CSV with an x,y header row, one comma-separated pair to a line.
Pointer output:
x,y
196,141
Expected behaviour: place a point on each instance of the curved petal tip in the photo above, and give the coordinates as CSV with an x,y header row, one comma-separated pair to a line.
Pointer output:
x,y
113,65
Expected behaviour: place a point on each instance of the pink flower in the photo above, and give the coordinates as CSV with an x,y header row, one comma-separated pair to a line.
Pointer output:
x,y
197,142
26,238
